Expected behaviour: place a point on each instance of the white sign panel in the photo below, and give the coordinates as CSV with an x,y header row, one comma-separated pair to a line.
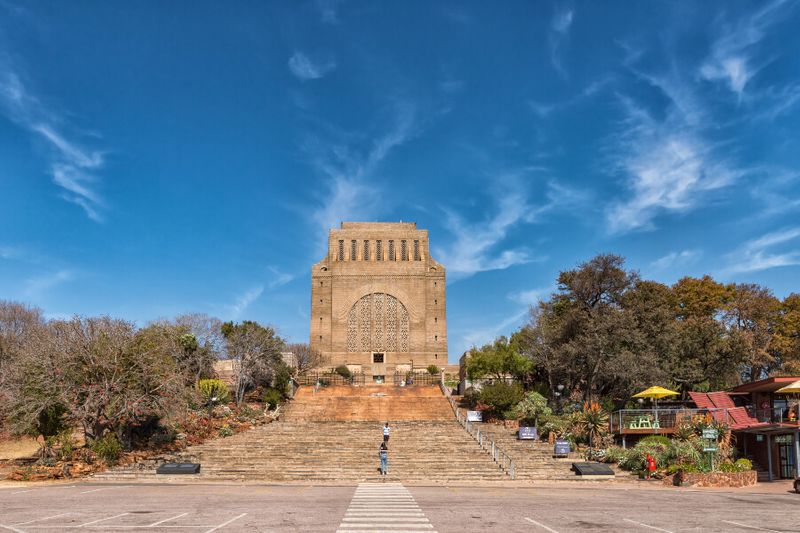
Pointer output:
x,y
474,416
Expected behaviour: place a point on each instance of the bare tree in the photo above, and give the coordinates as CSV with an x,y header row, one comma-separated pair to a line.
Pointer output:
x,y
255,351
305,357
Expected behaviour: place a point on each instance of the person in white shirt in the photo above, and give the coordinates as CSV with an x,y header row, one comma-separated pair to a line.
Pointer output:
x,y
386,432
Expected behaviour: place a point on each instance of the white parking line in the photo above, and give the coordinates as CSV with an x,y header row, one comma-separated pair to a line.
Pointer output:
x,y
41,519
647,526
11,528
23,491
154,524
751,527
102,520
534,522
232,520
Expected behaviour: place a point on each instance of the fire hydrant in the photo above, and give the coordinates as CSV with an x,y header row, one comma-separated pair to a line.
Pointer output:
x,y
651,465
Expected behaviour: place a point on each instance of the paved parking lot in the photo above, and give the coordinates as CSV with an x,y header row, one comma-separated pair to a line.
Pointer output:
x,y
562,508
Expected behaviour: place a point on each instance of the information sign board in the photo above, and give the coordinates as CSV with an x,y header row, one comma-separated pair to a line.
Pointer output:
x,y
528,433
710,433
474,416
562,447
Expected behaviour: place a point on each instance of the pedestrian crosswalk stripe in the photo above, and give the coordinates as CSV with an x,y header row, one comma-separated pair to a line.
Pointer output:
x,y
384,508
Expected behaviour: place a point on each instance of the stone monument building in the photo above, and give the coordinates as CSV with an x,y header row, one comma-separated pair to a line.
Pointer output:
x,y
378,300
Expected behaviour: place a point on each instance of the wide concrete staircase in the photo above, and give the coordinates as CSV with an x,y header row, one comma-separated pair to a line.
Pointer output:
x,y
333,435
368,403
533,460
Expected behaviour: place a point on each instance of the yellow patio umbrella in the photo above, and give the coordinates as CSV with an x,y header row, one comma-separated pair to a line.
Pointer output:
x,y
655,393
791,388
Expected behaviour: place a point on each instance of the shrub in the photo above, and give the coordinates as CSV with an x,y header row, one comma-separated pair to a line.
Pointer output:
x,y
62,443
213,391
471,397
433,370
51,420
283,374
343,371
614,454
225,431
660,439
501,396
743,465
533,406
272,397
107,448
247,413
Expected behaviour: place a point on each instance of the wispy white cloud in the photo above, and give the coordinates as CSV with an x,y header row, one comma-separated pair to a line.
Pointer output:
x,y
532,296
732,57
305,68
668,165
767,251
243,301
482,335
545,109
328,10
475,243
559,32
675,259
278,278
352,191
36,286
72,165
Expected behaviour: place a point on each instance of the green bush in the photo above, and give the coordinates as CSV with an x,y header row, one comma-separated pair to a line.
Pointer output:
x,y
501,396
247,413
107,448
743,465
471,397
433,370
283,374
661,439
614,454
343,371
213,391
225,431
63,444
272,397
51,420
682,467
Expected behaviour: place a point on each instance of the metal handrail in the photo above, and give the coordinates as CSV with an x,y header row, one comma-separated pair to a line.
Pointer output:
x,y
484,439
658,418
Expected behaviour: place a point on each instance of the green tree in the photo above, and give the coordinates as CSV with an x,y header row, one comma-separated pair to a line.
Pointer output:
x,y
498,360
256,354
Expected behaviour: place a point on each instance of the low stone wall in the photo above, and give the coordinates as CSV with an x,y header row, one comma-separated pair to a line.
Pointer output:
x,y
713,479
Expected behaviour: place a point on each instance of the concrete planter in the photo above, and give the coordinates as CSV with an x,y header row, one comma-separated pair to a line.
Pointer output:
x,y
713,479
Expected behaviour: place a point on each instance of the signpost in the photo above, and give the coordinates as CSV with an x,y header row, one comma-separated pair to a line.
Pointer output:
x,y
528,433
474,416
710,445
562,448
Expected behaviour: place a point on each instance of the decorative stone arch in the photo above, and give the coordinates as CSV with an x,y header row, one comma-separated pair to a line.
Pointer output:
x,y
378,322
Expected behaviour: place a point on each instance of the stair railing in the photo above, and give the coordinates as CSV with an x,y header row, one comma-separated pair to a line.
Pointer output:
x,y
485,440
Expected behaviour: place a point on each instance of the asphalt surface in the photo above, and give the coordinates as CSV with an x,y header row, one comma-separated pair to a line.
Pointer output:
x,y
560,508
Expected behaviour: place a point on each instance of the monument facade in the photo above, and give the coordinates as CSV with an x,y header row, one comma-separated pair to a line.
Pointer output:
x,y
378,300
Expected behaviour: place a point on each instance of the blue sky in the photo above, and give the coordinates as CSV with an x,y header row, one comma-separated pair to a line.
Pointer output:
x,y
164,157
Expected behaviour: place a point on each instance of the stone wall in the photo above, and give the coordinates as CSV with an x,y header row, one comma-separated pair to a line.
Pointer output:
x,y
713,479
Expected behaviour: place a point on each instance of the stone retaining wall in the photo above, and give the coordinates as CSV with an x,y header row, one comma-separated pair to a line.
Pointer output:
x,y
713,479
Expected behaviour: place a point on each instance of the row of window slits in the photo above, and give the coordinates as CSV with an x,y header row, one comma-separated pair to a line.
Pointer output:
x,y
378,251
